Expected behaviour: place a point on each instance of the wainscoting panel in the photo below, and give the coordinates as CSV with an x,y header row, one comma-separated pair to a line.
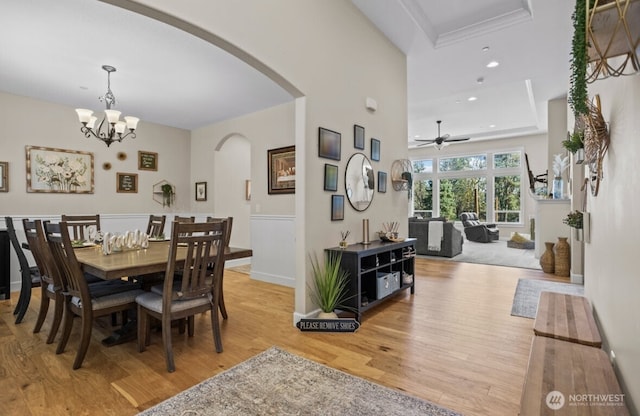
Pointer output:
x,y
273,243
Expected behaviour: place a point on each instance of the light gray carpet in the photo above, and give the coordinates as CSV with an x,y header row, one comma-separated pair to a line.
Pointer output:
x,y
525,300
276,382
494,253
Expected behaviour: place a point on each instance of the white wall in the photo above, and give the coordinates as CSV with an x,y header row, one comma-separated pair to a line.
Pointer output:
x,y
26,121
337,58
610,268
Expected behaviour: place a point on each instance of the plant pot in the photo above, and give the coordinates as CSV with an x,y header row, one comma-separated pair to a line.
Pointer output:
x,y
547,260
563,258
327,315
578,156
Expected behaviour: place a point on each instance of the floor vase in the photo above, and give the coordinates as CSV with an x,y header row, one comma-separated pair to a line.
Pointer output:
x,y
563,257
547,259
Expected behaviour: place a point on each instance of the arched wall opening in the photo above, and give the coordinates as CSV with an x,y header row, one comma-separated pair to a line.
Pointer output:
x,y
231,171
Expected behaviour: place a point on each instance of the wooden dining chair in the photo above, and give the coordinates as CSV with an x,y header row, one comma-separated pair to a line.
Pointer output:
x,y
78,223
155,227
195,292
224,245
178,218
30,275
51,284
79,299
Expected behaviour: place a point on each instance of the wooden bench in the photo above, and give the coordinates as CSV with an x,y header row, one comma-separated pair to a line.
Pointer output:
x,y
566,317
581,374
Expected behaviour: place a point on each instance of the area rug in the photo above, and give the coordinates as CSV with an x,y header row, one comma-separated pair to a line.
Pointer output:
x,y
276,382
495,253
525,300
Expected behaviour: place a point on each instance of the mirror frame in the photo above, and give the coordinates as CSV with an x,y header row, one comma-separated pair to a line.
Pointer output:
x,y
359,162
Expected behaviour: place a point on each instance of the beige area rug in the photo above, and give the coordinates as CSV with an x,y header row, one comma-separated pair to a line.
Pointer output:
x,y
495,253
276,382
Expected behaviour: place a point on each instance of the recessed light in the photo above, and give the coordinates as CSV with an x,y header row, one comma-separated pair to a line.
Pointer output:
x,y
457,101
485,49
493,64
82,87
416,136
480,80
491,126
472,98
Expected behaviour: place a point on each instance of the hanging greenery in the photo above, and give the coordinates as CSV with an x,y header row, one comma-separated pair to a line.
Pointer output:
x,y
578,90
167,194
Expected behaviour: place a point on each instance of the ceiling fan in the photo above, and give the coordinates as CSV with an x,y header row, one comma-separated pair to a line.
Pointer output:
x,y
440,141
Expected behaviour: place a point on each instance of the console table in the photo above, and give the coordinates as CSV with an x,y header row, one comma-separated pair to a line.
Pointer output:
x,y
376,271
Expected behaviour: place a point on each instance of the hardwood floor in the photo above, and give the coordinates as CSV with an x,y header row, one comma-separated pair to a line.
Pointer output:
x,y
453,343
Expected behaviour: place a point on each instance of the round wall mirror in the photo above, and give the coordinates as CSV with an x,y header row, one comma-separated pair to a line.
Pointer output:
x,y
358,181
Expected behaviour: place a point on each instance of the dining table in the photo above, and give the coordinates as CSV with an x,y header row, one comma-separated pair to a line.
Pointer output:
x,y
138,262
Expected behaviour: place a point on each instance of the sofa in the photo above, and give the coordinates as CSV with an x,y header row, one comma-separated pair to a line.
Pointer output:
x,y
451,244
478,231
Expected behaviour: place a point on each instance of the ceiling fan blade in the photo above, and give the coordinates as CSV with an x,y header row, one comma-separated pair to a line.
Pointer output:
x,y
445,137
425,144
425,140
458,140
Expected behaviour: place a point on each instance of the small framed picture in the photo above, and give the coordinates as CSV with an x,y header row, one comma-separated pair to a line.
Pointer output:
x,y
329,144
375,150
382,182
337,207
330,177
127,183
201,191
358,137
147,160
4,176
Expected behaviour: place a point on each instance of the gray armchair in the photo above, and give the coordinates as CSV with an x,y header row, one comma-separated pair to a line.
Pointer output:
x,y
451,237
477,231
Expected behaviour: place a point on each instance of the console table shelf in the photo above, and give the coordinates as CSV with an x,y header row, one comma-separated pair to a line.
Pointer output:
x,y
376,271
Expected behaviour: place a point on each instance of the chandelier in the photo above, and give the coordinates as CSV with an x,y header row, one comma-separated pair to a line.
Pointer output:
x,y
111,128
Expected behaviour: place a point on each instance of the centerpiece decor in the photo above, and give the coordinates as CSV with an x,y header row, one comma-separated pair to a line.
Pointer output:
x,y
560,164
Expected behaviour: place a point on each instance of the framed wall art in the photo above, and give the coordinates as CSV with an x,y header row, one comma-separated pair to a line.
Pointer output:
x,y
282,170
330,177
382,182
147,160
358,137
329,144
201,191
4,176
375,150
127,183
59,171
337,207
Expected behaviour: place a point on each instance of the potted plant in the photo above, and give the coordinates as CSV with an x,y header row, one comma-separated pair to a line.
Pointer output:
x,y
574,220
575,144
167,194
330,282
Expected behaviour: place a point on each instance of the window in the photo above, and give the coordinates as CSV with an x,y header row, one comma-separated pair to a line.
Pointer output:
x,y
423,188
488,184
464,163
463,195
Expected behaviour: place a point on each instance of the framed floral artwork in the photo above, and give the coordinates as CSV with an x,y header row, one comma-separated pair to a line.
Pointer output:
x,y
59,171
